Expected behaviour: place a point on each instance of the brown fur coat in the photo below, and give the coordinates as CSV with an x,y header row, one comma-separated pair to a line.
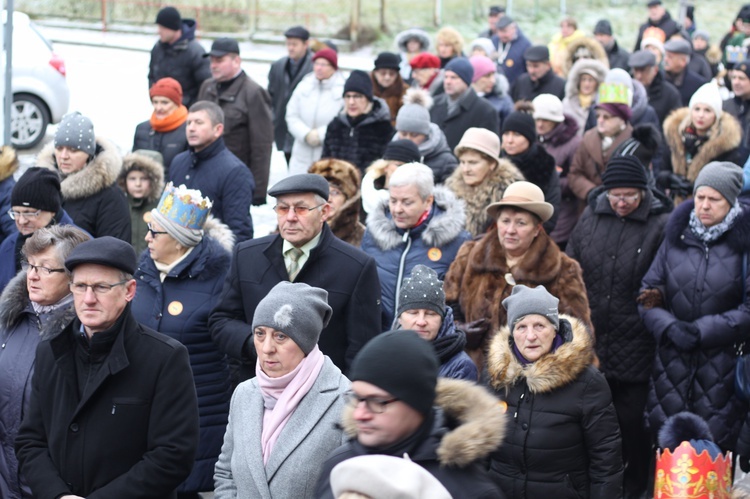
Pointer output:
x,y
393,95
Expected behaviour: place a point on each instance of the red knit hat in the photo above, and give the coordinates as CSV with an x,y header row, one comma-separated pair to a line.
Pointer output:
x,y
425,60
169,88
329,55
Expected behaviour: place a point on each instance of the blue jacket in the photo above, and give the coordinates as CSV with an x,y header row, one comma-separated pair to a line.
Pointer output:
x,y
514,64
449,345
7,225
221,177
179,307
433,243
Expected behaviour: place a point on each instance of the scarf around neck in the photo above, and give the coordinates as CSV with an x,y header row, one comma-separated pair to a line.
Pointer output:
x,y
711,234
171,122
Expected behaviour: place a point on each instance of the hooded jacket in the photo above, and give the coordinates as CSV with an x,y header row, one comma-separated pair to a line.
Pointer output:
x,y
8,166
571,102
562,438
90,195
433,243
591,160
467,427
140,209
436,154
594,49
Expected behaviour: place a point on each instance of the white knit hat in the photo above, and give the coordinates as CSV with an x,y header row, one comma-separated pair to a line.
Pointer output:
x,y
709,95
548,107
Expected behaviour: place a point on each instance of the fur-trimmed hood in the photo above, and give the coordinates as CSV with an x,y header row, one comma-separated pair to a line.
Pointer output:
x,y
737,238
8,162
562,133
445,224
99,173
480,429
552,371
15,300
581,65
220,232
590,44
724,135
418,33
152,168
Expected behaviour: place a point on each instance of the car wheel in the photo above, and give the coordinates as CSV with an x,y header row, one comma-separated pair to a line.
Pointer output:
x,y
29,118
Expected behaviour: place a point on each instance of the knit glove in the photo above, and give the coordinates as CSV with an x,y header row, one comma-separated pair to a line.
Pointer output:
x,y
476,331
313,138
684,335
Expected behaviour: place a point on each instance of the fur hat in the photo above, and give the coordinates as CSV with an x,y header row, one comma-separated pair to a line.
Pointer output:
x,y
709,95
523,195
344,175
414,115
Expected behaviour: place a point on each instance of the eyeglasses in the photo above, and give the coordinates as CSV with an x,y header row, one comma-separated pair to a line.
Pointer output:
x,y
14,215
300,211
39,269
153,232
375,405
627,199
354,97
80,288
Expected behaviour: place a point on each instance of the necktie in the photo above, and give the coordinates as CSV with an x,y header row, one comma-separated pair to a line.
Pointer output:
x,y
292,269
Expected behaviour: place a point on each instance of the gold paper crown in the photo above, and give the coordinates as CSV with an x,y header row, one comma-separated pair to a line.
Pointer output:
x,y
614,93
683,474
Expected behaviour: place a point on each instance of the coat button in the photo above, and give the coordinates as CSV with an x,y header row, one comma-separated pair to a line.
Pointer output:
x,y
74,427
525,426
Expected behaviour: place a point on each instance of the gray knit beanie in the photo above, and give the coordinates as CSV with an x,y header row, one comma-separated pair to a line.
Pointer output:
x,y
296,309
423,290
183,235
414,118
76,131
724,176
525,301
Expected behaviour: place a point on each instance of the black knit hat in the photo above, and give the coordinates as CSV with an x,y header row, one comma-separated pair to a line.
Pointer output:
x,y
387,60
522,123
169,17
603,27
402,150
625,171
402,364
37,188
359,82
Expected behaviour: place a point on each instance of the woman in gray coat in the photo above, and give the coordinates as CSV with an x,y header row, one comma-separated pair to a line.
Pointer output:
x,y
284,422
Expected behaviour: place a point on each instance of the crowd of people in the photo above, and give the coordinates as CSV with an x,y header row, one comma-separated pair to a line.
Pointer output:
x,y
500,269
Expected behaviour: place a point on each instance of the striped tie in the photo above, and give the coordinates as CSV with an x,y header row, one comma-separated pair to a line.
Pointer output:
x,y
294,255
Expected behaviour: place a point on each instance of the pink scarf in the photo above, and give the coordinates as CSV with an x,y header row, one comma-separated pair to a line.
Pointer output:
x,y
282,395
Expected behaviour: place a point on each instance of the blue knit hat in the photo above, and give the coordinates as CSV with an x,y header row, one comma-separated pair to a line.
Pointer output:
x,y
462,67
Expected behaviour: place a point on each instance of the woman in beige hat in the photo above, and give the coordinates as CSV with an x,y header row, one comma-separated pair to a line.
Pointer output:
x,y
515,250
482,176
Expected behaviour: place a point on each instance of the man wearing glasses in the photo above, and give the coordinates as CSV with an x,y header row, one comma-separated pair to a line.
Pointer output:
x,y
113,410
304,250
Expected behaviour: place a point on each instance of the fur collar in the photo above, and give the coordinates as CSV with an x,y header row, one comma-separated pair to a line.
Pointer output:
x,y
574,71
550,372
480,429
725,135
8,162
538,165
446,223
100,172
345,223
738,238
153,170
562,133
15,300
220,232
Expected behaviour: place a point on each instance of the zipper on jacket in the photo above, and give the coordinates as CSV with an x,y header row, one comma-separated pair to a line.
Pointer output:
x,y
405,238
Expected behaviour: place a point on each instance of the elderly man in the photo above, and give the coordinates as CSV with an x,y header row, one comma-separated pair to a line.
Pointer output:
x,y
212,169
511,45
539,78
248,128
113,409
658,17
419,223
662,95
676,59
395,387
304,250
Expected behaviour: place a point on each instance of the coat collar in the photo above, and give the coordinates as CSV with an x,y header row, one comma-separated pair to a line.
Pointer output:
x,y
678,232
653,203
274,255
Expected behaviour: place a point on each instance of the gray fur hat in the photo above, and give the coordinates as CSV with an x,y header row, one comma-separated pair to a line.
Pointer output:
x,y
525,301
423,290
298,310
724,176
76,131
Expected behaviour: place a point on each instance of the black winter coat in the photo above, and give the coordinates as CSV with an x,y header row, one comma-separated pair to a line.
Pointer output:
x,y
525,89
691,82
618,56
281,85
169,144
473,111
668,25
615,254
701,285
663,96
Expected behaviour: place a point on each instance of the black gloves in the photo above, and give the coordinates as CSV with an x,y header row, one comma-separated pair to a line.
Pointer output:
x,y
684,335
476,331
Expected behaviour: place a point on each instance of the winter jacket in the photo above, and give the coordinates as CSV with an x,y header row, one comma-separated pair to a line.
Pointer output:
x,y
701,285
348,274
21,330
584,49
510,55
90,195
740,109
691,82
562,438
393,95
8,166
449,346
313,105
293,467
362,140
179,308
472,111
140,209
571,102
663,96
433,243
618,56
182,60
466,427
559,47
224,179
668,25
248,126
281,85
526,89
590,161
168,144
477,198
133,432
499,98
641,112
436,154
615,254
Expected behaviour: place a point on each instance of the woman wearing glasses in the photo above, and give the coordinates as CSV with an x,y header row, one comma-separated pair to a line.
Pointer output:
x,y
180,277
36,305
284,422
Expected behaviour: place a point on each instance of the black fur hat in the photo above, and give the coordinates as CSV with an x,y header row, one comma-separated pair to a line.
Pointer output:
x,y
683,426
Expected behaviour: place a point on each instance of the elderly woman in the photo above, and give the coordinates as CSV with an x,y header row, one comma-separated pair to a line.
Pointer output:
x,y
516,250
164,132
344,198
180,279
35,306
696,305
285,421
562,439
422,309
387,82
482,176
411,43
580,90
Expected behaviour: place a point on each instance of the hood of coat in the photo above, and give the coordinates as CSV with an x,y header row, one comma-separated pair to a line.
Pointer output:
x,y
593,46
153,170
188,33
8,162
562,133
379,112
597,67
655,202
640,101
434,143
480,427
15,299
738,238
552,371
724,135
406,35
99,173
446,224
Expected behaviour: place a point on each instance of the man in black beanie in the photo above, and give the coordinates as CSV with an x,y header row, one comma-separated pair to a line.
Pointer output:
x,y
391,404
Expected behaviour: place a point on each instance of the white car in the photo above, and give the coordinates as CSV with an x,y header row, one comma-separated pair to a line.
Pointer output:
x,y
40,90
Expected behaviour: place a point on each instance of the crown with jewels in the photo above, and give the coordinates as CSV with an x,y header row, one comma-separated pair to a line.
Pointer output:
x,y
684,474
184,207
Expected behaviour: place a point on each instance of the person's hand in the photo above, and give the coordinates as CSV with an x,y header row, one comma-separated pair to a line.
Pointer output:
x,y
684,335
475,331
745,464
650,298
313,138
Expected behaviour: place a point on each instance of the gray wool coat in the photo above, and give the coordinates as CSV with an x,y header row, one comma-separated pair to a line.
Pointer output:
x,y
311,433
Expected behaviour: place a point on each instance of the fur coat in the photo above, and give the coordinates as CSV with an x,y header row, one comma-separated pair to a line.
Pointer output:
x,y
345,176
393,95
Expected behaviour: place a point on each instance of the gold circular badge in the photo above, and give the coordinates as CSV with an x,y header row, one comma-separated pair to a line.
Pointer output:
x,y
434,254
147,217
509,63
174,308
503,405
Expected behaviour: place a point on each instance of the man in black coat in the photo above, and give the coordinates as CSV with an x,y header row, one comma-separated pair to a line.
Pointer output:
x,y
460,108
539,77
658,17
283,78
676,59
662,95
739,105
113,409
304,250
618,56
